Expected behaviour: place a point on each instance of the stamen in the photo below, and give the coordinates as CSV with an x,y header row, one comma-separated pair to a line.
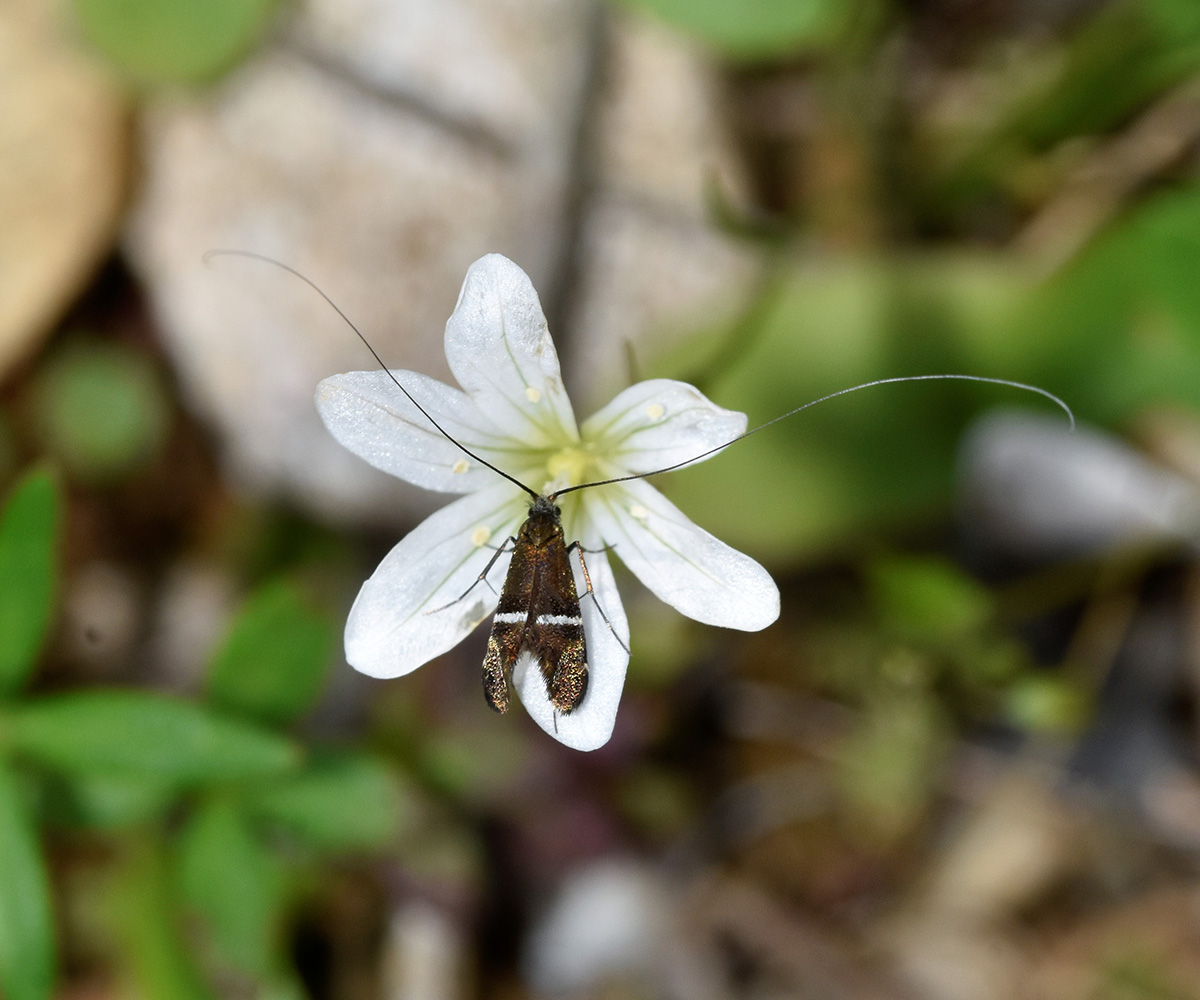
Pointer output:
x,y
569,464
655,411
460,466
636,510
480,536
532,394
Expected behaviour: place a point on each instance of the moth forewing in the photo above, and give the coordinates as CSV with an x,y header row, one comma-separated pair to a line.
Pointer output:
x,y
538,613
556,636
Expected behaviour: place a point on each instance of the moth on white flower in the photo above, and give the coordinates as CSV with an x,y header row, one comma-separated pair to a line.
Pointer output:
x,y
444,578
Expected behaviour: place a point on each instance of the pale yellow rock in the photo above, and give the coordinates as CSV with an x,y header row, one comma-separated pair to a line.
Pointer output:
x,y
64,147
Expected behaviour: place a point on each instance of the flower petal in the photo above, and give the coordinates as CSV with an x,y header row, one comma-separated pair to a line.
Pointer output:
x,y
400,618
499,349
681,563
590,725
371,417
659,423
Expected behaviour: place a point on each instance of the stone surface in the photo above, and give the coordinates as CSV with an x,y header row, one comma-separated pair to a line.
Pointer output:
x,y
379,148
1033,488
64,152
652,265
381,208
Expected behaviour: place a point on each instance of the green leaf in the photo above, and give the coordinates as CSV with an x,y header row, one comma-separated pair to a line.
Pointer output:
x,y
1048,704
1125,316
753,29
229,880
105,802
137,734
28,535
928,599
174,40
341,802
887,766
151,952
860,464
275,659
1178,20
26,929
100,408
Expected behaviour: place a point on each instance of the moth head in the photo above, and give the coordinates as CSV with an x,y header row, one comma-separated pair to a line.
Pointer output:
x,y
545,505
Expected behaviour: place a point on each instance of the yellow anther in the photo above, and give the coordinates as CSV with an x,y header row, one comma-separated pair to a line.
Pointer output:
x,y
655,411
480,536
461,466
636,510
532,394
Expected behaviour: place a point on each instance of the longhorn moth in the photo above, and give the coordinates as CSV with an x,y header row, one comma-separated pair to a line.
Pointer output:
x,y
510,426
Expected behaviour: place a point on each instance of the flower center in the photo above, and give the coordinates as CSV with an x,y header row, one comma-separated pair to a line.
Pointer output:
x,y
569,465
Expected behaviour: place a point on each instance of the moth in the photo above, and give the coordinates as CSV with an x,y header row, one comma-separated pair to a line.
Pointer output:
x,y
538,612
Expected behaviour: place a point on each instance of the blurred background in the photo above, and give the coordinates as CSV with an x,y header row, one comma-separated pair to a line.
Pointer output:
x,y
963,764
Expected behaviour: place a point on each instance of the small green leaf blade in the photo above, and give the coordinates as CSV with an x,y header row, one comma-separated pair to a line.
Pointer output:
x,y
108,802
230,882
341,802
755,29
159,41
151,960
142,735
28,537
276,657
27,950
928,599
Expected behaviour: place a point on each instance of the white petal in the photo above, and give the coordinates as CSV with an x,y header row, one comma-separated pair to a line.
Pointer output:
x,y
681,563
400,619
499,349
661,422
590,725
371,417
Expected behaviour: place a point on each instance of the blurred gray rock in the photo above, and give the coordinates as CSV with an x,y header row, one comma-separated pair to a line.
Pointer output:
x,y
607,924
1031,488
652,265
381,146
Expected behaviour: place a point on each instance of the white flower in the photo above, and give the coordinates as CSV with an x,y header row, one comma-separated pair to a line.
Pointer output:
x,y
512,411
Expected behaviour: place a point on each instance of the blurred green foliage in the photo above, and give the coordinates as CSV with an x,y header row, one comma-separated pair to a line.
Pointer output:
x,y
166,41
756,29
27,950
276,657
28,543
100,409
135,735
1115,331
232,883
248,808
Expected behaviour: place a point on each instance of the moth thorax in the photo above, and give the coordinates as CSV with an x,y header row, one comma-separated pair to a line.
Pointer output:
x,y
544,521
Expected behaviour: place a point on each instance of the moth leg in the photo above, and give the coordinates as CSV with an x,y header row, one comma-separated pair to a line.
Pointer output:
x,y
481,578
591,591
591,552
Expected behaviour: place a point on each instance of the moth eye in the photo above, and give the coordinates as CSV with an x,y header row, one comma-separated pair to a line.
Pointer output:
x,y
460,466
655,411
480,536
636,510
532,394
